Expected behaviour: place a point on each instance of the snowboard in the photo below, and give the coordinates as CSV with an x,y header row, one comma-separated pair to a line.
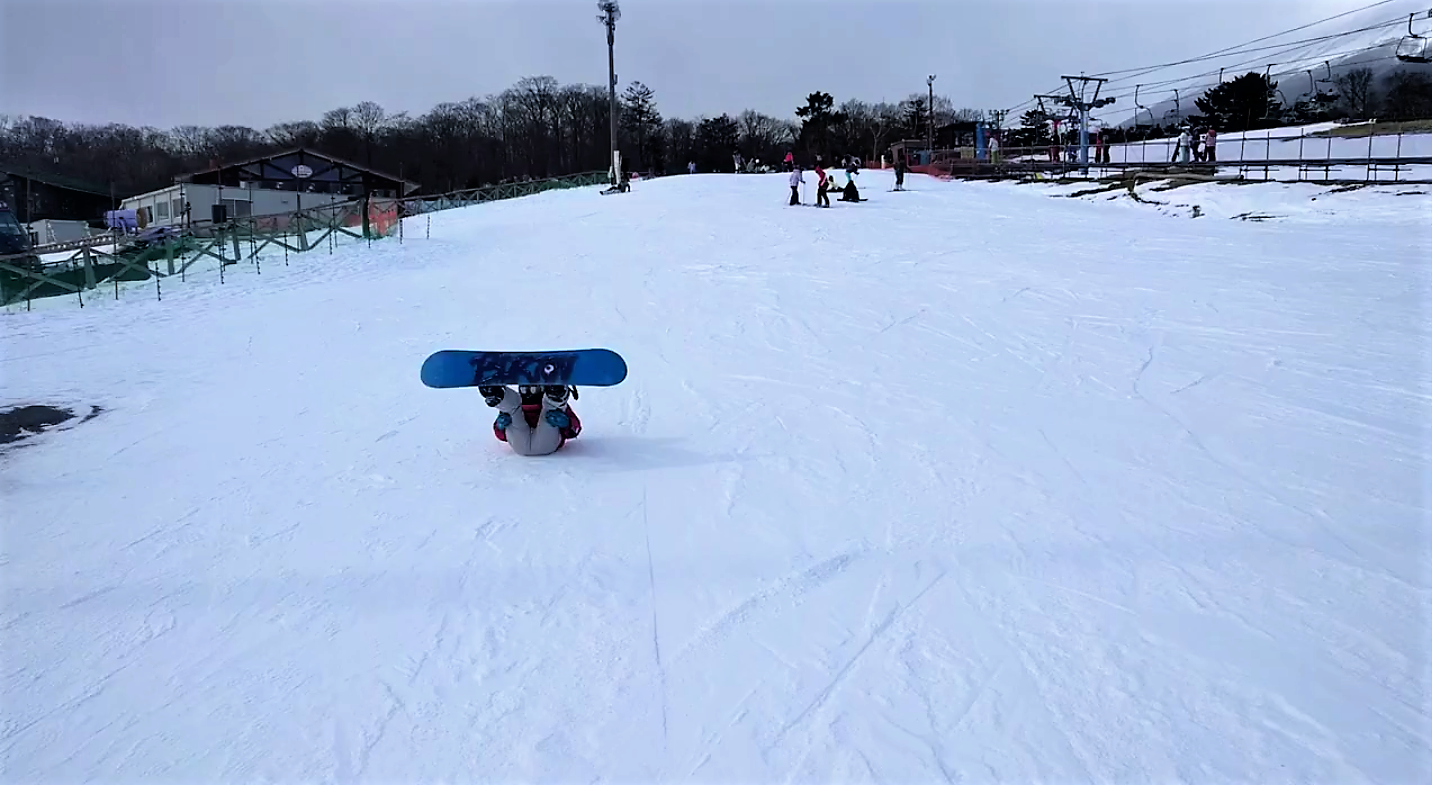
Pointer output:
x,y
576,367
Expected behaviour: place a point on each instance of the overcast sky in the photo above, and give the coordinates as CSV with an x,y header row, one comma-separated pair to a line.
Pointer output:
x,y
258,62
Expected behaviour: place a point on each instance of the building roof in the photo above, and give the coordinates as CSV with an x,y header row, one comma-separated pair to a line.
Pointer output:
x,y
54,180
301,164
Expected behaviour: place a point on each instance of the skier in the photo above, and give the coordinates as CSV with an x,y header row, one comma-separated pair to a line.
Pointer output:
x,y
796,179
822,195
900,168
547,420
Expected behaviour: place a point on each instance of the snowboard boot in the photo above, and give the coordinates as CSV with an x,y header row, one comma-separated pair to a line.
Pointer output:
x,y
556,395
491,395
531,394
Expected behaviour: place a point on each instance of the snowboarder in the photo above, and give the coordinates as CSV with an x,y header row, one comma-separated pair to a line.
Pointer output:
x,y
796,180
900,168
850,193
547,420
1180,147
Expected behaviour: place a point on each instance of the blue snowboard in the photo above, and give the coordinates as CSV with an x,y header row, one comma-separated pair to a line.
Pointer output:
x,y
576,367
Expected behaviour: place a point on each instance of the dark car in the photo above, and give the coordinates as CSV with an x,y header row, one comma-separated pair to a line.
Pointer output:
x,y
15,240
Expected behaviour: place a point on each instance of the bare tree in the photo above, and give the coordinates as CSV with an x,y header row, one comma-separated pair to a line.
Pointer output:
x,y
303,133
1355,92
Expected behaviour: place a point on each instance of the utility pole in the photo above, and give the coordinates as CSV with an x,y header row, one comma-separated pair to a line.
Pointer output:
x,y
930,115
1078,100
611,12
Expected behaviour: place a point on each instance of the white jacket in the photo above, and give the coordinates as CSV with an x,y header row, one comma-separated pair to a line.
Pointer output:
x,y
796,177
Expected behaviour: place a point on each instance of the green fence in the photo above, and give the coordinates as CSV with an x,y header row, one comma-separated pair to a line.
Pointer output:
x,y
111,259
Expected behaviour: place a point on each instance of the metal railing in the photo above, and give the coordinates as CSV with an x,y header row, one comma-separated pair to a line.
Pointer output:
x,y
1392,158
74,267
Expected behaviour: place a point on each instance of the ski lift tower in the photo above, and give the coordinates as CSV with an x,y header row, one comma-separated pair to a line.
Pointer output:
x,y
1079,100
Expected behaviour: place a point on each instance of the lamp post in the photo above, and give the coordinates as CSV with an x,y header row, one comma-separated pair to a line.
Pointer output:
x,y
930,116
611,12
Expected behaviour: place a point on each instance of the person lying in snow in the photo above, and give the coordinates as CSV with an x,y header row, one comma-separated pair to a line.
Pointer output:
x,y
850,193
547,420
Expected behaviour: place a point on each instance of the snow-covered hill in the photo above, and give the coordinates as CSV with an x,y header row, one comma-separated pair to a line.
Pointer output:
x,y
959,484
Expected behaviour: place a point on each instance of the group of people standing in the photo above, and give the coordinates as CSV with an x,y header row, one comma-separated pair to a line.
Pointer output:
x,y
849,192
1199,146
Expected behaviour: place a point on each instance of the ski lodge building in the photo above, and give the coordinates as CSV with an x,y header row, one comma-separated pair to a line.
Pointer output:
x,y
284,182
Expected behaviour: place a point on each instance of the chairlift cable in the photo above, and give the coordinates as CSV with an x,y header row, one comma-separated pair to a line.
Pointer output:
x,y
1370,60
1135,72
1239,48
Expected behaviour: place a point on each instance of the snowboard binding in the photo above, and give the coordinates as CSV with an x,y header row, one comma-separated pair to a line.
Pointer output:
x,y
531,394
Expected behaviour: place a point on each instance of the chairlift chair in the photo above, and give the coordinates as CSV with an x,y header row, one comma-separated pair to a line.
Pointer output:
x,y
1140,107
1413,48
1268,114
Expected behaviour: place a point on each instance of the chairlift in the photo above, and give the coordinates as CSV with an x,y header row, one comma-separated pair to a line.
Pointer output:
x,y
1268,113
1413,48
1138,106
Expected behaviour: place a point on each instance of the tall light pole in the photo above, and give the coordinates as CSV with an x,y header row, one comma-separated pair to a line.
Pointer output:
x,y
930,116
611,12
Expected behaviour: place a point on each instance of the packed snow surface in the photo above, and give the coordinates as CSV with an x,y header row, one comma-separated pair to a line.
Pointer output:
x,y
969,483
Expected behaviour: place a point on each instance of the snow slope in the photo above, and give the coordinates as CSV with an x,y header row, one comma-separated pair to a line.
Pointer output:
x,y
1302,203
964,483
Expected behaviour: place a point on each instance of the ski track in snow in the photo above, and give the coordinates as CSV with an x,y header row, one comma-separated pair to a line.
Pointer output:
x,y
960,484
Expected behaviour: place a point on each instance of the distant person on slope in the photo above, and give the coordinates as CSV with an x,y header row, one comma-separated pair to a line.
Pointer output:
x,y
547,420
796,179
900,169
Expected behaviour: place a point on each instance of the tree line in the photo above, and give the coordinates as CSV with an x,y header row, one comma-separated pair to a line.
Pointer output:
x,y
537,128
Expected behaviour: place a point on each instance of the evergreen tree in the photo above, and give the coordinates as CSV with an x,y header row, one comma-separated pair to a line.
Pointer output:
x,y
1243,104
1407,95
1035,126
817,116
917,117
717,139
642,124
